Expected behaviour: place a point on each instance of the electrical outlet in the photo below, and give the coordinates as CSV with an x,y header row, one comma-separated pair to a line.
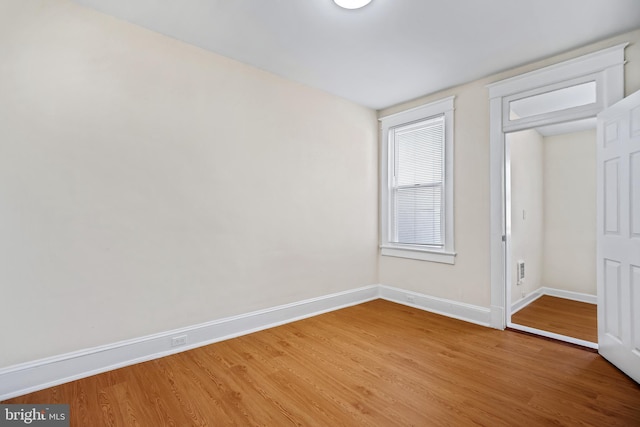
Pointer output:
x,y
178,341
411,299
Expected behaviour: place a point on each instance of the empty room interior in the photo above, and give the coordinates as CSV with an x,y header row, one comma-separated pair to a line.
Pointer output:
x,y
320,212
553,223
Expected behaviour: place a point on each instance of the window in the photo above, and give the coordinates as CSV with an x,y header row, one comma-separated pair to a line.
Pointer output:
x,y
564,101
417,183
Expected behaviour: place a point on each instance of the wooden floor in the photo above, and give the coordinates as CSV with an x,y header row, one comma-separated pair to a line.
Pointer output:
x,y
375,364
562,316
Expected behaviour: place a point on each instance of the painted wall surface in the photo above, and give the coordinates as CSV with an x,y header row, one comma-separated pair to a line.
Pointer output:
x,y
147,185
570,212
526,150
468,280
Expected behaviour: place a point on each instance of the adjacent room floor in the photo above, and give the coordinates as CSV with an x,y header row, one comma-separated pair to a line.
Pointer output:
x,y
562,316
376,364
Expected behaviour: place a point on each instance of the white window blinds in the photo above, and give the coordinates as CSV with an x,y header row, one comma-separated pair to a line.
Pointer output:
x,y
417,184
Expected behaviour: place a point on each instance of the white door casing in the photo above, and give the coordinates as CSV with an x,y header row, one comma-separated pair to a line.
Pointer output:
x,y
618,234
606,68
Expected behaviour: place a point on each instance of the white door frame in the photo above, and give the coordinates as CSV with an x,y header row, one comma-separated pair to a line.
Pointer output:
x,y
606,68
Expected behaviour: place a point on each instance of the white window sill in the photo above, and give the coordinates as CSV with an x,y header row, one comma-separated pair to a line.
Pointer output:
x,y
419,254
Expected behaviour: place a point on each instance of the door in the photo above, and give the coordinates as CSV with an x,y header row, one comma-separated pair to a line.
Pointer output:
x,y
618,247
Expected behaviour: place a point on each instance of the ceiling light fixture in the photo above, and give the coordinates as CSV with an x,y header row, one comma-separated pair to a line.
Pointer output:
x,y
352,4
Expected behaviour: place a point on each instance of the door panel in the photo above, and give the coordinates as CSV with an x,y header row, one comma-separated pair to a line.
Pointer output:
x,y
618,248
635,311
611,206
634,171
612,298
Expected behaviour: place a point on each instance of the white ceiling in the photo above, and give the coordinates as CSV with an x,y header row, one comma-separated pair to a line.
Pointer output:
x,y
390,51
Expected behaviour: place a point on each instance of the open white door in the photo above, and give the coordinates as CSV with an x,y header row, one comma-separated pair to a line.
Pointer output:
x,y
618,253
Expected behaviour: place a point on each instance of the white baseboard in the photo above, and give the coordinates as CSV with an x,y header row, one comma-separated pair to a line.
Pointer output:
x,y
497,317
523,302
449,308
40,374
28,377
552,292
574,296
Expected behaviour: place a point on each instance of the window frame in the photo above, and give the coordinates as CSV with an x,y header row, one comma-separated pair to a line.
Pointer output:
x,y
446,253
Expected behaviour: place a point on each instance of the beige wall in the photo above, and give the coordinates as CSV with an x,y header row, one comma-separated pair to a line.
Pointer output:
x,y
570,212
553,179
526,153
147,185
468,280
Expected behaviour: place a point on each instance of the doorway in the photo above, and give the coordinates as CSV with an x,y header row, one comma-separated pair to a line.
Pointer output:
x,y
550,213
514,107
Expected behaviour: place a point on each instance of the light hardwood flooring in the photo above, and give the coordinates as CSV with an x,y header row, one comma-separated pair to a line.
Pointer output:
x,y
375,364
562,316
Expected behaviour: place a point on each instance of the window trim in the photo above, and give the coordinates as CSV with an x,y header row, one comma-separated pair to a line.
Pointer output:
x,y
446,254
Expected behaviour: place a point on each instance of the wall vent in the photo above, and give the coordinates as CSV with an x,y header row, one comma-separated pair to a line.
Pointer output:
x,y
520,272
